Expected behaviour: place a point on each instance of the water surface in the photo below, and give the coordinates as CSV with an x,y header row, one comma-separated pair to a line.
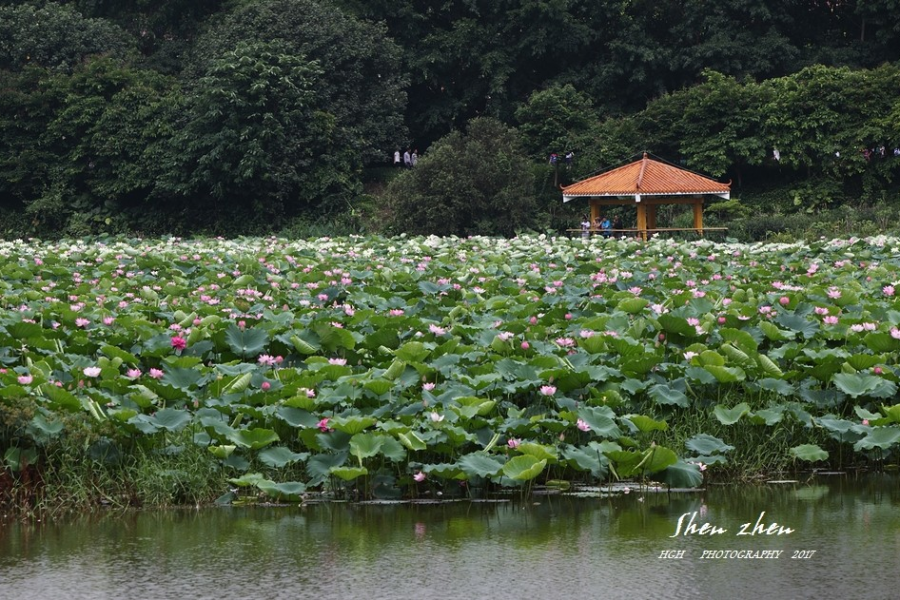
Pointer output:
x,y
552,547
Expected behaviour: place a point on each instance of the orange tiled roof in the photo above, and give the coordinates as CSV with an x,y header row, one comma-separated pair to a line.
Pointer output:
x,y
646,177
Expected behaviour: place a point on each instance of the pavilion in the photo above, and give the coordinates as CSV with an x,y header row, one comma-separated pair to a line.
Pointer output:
x,y
646,184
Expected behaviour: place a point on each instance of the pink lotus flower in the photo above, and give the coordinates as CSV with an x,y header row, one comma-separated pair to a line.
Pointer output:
x,y
266,360
548,390
82,322
525,345
133,373
513,443
428,386
436,330
419,476
179,343
92,371
784,300
25,379
323,425
156,373
265,386
888,290
830,320
436,417
895,333
337,361
865,422
582,425
565,342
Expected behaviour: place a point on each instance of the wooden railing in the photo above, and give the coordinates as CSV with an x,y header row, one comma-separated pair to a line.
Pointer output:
x,y
645,233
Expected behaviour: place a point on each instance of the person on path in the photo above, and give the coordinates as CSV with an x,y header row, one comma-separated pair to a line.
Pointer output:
x,y
397,157
407,159
585,227
414,159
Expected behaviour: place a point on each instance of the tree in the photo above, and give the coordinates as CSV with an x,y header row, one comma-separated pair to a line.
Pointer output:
x,y
56,37
73,147
468,184
553,118
360,83
253,145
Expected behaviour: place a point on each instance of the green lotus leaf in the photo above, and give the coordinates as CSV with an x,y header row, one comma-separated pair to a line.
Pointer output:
x,y
524,468
794,322
171,419
662,393
279,456
680,475
677,325
478,464
319,466
739,339
444,471
351,425
703,443
586,458
366,445
289,490
861,362
839,426
60,399
625,463
879,437
646,424
599,421
779,386
809,452
246,343
658,458
221,451
253,438
379,387
767,416
768,366
412,352
861,384
250,479
730,416
349,473
881,341
726,374
411,440
539,451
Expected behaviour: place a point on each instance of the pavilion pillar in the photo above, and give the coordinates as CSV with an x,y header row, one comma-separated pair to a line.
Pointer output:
x,y
698,215
651,216
595,210
642,221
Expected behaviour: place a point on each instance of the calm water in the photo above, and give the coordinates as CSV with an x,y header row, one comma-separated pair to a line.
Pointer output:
x,y
558,548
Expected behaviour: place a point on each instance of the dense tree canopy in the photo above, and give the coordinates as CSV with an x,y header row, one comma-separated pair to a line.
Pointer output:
x,y
477,183
240,115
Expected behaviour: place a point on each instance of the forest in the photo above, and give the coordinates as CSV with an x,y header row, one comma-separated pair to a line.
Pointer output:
x,y
210,117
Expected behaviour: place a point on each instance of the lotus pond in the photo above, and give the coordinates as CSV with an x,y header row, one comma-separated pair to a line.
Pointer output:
x,y
163,371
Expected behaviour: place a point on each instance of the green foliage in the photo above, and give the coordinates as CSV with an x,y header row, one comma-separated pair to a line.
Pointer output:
x,y
56,37
553,119
251,134
477,183
358,82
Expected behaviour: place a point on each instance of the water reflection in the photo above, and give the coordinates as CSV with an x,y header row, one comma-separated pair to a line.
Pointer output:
x,y
556,547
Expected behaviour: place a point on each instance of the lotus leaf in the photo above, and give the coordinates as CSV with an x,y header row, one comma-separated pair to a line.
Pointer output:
x,y
524,468
809,452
